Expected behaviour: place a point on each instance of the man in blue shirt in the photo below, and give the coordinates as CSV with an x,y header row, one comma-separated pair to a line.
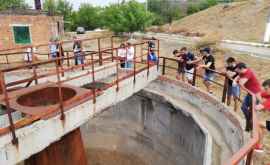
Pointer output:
x,y
152,57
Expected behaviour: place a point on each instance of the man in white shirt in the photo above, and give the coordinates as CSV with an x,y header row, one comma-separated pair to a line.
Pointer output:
x,y
130,55
28,57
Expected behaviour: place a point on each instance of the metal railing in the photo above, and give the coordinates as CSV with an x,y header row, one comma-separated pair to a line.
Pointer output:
x,y
246,152
59,71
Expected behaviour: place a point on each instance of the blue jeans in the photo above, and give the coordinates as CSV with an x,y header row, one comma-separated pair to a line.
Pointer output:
x,y
129,64
247,102
209,76
233,90
79,59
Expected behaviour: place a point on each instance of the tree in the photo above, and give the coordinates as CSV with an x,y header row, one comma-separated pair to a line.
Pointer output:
x,y
130,16
167,10
88,16
6,4
59,7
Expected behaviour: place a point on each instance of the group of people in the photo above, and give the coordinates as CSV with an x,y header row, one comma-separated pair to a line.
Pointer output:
x,y
238,74
56,51
188,61
126,54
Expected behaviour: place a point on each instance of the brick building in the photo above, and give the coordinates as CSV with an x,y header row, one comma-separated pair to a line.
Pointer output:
x,y
23,27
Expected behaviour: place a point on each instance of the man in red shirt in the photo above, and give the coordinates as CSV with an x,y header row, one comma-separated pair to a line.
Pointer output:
x,y
247,79
265,104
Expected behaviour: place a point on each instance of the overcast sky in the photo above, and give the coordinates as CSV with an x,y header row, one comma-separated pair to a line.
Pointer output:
x,y
76,3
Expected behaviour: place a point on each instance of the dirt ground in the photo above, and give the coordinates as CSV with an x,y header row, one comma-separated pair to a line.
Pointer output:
x,y
105,157
244,21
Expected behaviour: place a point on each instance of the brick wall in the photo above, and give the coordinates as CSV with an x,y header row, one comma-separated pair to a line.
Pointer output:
x,y
42,28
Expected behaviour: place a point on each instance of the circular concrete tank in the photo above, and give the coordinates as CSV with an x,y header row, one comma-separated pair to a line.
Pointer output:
x,y
142,131
167,123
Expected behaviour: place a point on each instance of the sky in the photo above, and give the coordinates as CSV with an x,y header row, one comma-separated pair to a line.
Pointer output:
x,y
76,3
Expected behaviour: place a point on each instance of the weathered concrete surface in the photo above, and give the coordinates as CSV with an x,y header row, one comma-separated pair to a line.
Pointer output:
x,y
68,150
39,135
148,128
168,123
223,126
105,71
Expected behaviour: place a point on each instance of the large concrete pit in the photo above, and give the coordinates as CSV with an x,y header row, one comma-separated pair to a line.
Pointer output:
x,y
145,131
167,122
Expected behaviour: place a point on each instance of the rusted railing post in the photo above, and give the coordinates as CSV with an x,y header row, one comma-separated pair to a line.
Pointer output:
x,y
93,78
250,123
194,76
112,48
225,89
68,60
134,66
158,53
60,58
163,66
249,158
99,53
148,62
7,59
142,47
60,91
6,99
34,67
117,76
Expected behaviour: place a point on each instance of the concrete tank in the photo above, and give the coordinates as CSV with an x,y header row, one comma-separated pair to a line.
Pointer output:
x,y
166,123
141,130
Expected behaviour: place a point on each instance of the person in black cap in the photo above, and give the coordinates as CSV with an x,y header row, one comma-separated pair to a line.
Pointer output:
x,y
209,66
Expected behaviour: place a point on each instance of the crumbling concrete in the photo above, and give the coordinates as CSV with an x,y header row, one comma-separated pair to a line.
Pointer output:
x,y
168,122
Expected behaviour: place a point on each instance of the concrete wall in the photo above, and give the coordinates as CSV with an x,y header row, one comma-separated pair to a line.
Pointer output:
x,y
151,130
37,136
222,124
42,28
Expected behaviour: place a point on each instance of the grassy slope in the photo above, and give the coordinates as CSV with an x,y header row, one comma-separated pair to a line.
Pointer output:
x,y
240,21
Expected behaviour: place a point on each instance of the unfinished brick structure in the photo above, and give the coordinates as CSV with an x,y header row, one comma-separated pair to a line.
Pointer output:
x,y
23,27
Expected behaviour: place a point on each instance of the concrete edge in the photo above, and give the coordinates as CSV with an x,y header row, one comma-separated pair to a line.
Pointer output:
x,y
209,140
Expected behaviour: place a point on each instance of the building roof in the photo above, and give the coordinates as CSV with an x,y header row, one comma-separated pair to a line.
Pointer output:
x,y
22,12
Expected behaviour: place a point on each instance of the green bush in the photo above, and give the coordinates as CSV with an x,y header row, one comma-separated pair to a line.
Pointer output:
x,y
87,16
127,17
193,8
6,4
196,7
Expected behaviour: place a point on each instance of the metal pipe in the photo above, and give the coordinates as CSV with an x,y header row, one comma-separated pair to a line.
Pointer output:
x,y
99,53
93,78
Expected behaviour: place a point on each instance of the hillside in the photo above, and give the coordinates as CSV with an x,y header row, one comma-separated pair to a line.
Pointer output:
x,y
239,21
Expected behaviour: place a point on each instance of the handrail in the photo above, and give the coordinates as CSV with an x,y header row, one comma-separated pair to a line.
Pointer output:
x,y
5,97
59,42
247,149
